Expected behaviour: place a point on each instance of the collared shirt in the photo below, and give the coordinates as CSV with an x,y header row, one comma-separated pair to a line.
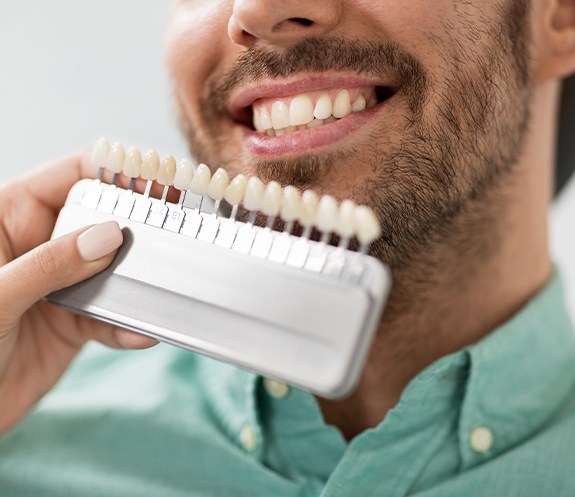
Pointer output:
x,y
496,419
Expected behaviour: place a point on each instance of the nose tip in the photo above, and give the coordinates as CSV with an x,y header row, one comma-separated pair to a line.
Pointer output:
x,y
282,22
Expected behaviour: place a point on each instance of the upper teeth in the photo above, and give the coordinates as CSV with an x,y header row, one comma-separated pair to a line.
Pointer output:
x,y
279,116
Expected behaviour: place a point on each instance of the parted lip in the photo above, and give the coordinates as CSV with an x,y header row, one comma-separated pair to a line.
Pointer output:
x,y
276,88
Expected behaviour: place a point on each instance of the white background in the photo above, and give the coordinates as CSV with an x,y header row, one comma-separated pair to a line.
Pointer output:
x,y
73,70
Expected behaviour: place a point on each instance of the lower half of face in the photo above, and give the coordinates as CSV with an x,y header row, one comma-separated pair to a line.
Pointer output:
x,y
420,134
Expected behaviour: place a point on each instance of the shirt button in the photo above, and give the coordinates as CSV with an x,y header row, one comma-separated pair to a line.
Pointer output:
x,y
276,389
481,439
248,438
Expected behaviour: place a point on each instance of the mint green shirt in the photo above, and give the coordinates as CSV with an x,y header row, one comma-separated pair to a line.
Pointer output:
x,y
496,420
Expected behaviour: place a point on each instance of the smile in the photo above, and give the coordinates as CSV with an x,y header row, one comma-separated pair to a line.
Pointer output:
x,y
284,118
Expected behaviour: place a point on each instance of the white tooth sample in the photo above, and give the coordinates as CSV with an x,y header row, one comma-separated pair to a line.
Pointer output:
x,y
265,118
201,180
257,120
133,163
236,190
150,165
327,211
166,171
342,104
116,158
184,175
366,225
218,184
271,203
280,115
100,152
254,194
360,104
300,111
308,208
346,219
323,107
291,204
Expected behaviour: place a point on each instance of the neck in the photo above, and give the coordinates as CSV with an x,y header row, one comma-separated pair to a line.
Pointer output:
x,y
457,296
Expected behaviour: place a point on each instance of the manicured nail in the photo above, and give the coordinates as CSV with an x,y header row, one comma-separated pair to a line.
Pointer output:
x,y
99,241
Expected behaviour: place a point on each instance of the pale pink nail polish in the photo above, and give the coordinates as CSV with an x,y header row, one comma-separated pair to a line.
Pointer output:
x,y
99,241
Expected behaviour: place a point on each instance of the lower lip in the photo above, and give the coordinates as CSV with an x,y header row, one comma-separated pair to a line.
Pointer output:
x,y
301,141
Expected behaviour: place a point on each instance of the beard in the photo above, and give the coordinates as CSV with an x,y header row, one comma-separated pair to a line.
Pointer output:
x,y
437,173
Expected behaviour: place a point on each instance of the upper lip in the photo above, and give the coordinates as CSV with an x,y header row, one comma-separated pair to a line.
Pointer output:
x,y
245,97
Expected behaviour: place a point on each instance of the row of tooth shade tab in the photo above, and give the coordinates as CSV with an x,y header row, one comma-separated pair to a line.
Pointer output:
x,y
324,213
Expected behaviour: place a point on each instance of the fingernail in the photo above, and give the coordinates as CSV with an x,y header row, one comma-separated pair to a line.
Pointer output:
x,y
99,241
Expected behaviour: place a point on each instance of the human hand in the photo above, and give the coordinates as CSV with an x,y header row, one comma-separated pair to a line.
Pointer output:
x,y
38,340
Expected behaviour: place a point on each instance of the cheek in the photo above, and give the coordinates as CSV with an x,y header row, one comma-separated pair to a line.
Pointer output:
x,y
196,44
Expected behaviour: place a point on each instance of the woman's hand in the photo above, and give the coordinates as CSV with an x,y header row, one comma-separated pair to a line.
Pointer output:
x,y
37,340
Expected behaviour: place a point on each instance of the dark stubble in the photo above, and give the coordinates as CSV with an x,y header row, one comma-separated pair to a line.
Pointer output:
x,y
458,141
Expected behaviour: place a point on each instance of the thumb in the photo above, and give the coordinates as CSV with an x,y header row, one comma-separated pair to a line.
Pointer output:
x,y
57,264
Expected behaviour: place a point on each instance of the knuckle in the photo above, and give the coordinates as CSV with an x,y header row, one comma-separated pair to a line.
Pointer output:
x,y
45,261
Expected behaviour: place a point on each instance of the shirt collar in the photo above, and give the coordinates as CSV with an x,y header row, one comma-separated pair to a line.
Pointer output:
x,y
510,382
519,375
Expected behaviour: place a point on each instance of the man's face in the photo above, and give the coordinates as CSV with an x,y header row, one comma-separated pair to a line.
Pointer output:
x,y
446,85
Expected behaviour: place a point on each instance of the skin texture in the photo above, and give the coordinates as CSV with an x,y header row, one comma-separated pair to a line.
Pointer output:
x,y
457,164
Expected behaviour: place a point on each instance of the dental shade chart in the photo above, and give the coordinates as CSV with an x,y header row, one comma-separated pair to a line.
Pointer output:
x,y
231,267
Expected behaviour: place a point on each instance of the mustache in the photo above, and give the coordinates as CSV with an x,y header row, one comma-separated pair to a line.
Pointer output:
x,y
379,60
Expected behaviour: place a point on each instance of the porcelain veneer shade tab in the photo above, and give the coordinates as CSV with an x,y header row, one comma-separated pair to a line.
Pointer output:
x,y
291,204
308,208
167,171
327,212
272,200
235,191
133,163
100,152
346,219
254,195
201,180
366,225
150,165
116,158
218,184
184,175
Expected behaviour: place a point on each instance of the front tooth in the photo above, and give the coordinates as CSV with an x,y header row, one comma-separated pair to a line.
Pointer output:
x,y
133,163
236,189
116,158
150,165
265,119
291,204
100,152
167,171
342,104
326,220
254,194
359,105
308,209
366,225
201,180
257,121
300,111
271,202
280,115
346,219
323,107
184,175
218,184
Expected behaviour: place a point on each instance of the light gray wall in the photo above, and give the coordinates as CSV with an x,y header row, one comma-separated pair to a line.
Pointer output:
x,y
73,70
